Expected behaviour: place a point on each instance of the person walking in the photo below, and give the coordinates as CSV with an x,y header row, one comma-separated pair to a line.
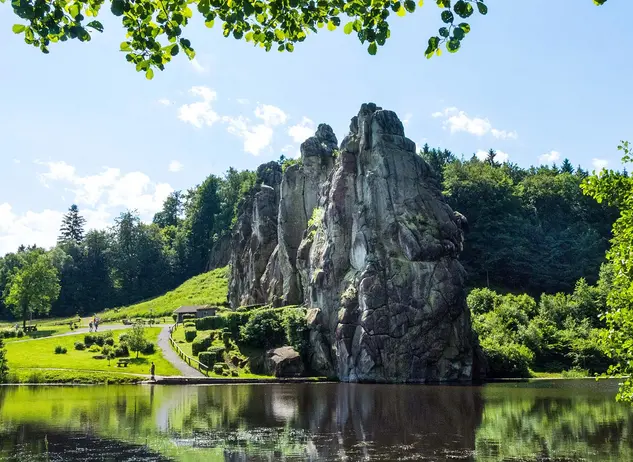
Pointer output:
x,y
90,326
152,370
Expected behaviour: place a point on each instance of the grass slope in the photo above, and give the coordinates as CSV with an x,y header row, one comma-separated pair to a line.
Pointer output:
x,y
40,354
207,288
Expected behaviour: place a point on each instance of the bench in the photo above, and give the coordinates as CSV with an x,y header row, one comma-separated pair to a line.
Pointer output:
x,y
30,329
122,362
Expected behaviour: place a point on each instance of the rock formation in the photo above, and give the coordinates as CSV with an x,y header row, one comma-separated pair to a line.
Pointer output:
x,y
363,238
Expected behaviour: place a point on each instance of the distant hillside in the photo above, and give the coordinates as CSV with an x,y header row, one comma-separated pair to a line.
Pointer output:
x,y
208,288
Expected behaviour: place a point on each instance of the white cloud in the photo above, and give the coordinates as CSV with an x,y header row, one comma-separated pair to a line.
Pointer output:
x,y
459,121
406,119
197,66
200,113
257,137
164,102
599,164
302,131
16,161
549,157
175,166
242,101
39,228
500,157
291,151
271,115
110,188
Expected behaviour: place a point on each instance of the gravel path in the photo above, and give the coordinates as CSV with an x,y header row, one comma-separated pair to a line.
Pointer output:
x,y
170,355
81,330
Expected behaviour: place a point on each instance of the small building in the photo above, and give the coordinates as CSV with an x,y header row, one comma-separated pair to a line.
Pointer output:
x,y
199,311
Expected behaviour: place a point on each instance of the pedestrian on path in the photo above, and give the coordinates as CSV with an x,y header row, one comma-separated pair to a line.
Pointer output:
x,y
152,369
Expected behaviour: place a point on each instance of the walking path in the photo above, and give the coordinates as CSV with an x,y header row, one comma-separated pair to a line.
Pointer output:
x,y
170,355
81,330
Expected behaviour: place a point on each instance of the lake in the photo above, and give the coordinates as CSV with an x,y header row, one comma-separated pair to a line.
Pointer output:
x,y
557,420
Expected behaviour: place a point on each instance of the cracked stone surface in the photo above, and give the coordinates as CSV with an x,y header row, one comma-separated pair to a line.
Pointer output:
x,y
364,240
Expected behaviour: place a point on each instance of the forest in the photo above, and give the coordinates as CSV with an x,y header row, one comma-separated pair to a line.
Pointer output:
x,y
534,255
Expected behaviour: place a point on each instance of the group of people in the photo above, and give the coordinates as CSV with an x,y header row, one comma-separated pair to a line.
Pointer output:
x,y
94,324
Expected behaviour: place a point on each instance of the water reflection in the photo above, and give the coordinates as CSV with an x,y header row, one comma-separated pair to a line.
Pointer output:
x,y
562,421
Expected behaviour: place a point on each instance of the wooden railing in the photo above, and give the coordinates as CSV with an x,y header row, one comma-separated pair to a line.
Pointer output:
x,y
186,358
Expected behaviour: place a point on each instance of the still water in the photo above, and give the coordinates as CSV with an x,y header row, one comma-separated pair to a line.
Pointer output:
x,y
565,420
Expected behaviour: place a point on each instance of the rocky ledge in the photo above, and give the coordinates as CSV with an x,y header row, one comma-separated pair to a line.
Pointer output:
x,y
360,234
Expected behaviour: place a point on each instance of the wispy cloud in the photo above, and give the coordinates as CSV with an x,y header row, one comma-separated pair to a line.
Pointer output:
x,y
197,66
200,113
302,131
257,136
499,157
549,157
599,164
459,121
164,102
175,166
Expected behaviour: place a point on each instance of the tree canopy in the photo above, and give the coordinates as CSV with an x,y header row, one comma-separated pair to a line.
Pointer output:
x,y
155,28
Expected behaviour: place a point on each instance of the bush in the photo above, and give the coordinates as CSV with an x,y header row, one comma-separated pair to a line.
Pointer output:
x,y
149,349
121,351
508,359
185,317
20,333
106,350
264,330
89,339
109,341
236,319
79,346
190,334
60,350
210,323
218,351
174,317
190,324
124,338
201,344
207,358
94,348
296,328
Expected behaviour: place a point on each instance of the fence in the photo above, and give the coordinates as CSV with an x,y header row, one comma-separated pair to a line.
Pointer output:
x,y
186,358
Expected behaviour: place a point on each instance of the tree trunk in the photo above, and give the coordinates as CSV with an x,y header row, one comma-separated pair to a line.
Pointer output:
x,y
24,314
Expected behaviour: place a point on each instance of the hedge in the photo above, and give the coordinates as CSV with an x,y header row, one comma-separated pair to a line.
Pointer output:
x,y
207,358
218,351
190,334
210,323
201,344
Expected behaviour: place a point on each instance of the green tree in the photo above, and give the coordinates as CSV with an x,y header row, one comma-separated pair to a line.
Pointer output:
x,y
617,189
172,210
155,27
566,167
4,367
136,340
72,229
34,287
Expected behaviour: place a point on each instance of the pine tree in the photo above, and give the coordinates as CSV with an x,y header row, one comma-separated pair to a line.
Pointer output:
x,y
72,229
491,158
566,167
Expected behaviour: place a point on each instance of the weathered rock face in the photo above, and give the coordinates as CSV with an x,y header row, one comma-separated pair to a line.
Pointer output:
x,y
365,240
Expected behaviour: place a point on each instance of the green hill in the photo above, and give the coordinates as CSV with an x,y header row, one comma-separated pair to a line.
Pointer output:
x,y
207,288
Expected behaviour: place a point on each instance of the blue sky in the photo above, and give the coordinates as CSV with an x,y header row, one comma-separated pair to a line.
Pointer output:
x,y
81,126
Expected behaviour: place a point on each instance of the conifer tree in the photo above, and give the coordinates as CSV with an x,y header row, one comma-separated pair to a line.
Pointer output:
x,y
566,167
72,229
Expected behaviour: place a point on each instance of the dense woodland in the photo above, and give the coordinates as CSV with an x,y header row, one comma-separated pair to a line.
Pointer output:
x,y
531,232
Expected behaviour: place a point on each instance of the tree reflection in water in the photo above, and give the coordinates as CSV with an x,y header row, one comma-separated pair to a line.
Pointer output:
x,y
563,422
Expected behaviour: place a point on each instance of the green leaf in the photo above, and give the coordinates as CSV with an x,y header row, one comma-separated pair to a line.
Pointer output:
x,y
421,3
117,7
149,74
290,47
483,9
18,28
409,5
447,17
209,24
174,49
401,11
331,26
279,34
373,48
187,13
96,25
125,46
444,32
453,45
349,27
458,33
465,27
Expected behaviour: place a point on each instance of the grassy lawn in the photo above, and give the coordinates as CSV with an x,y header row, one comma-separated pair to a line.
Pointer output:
x,y
45,328
41,354
208,288
70,376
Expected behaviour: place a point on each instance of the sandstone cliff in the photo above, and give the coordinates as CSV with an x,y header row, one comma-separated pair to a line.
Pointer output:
x,y
361,236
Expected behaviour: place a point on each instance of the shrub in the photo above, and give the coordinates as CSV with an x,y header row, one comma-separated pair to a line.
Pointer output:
x,y
20,333
89,339
79,346
210,323
508,359
121,351
201,344
190,334
187,316
218,351
207,358
106,350
94,348
483,300
174,317
296,328
124,338
264,330
218,369
60,350
236,319
149,349
190,324
109,341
